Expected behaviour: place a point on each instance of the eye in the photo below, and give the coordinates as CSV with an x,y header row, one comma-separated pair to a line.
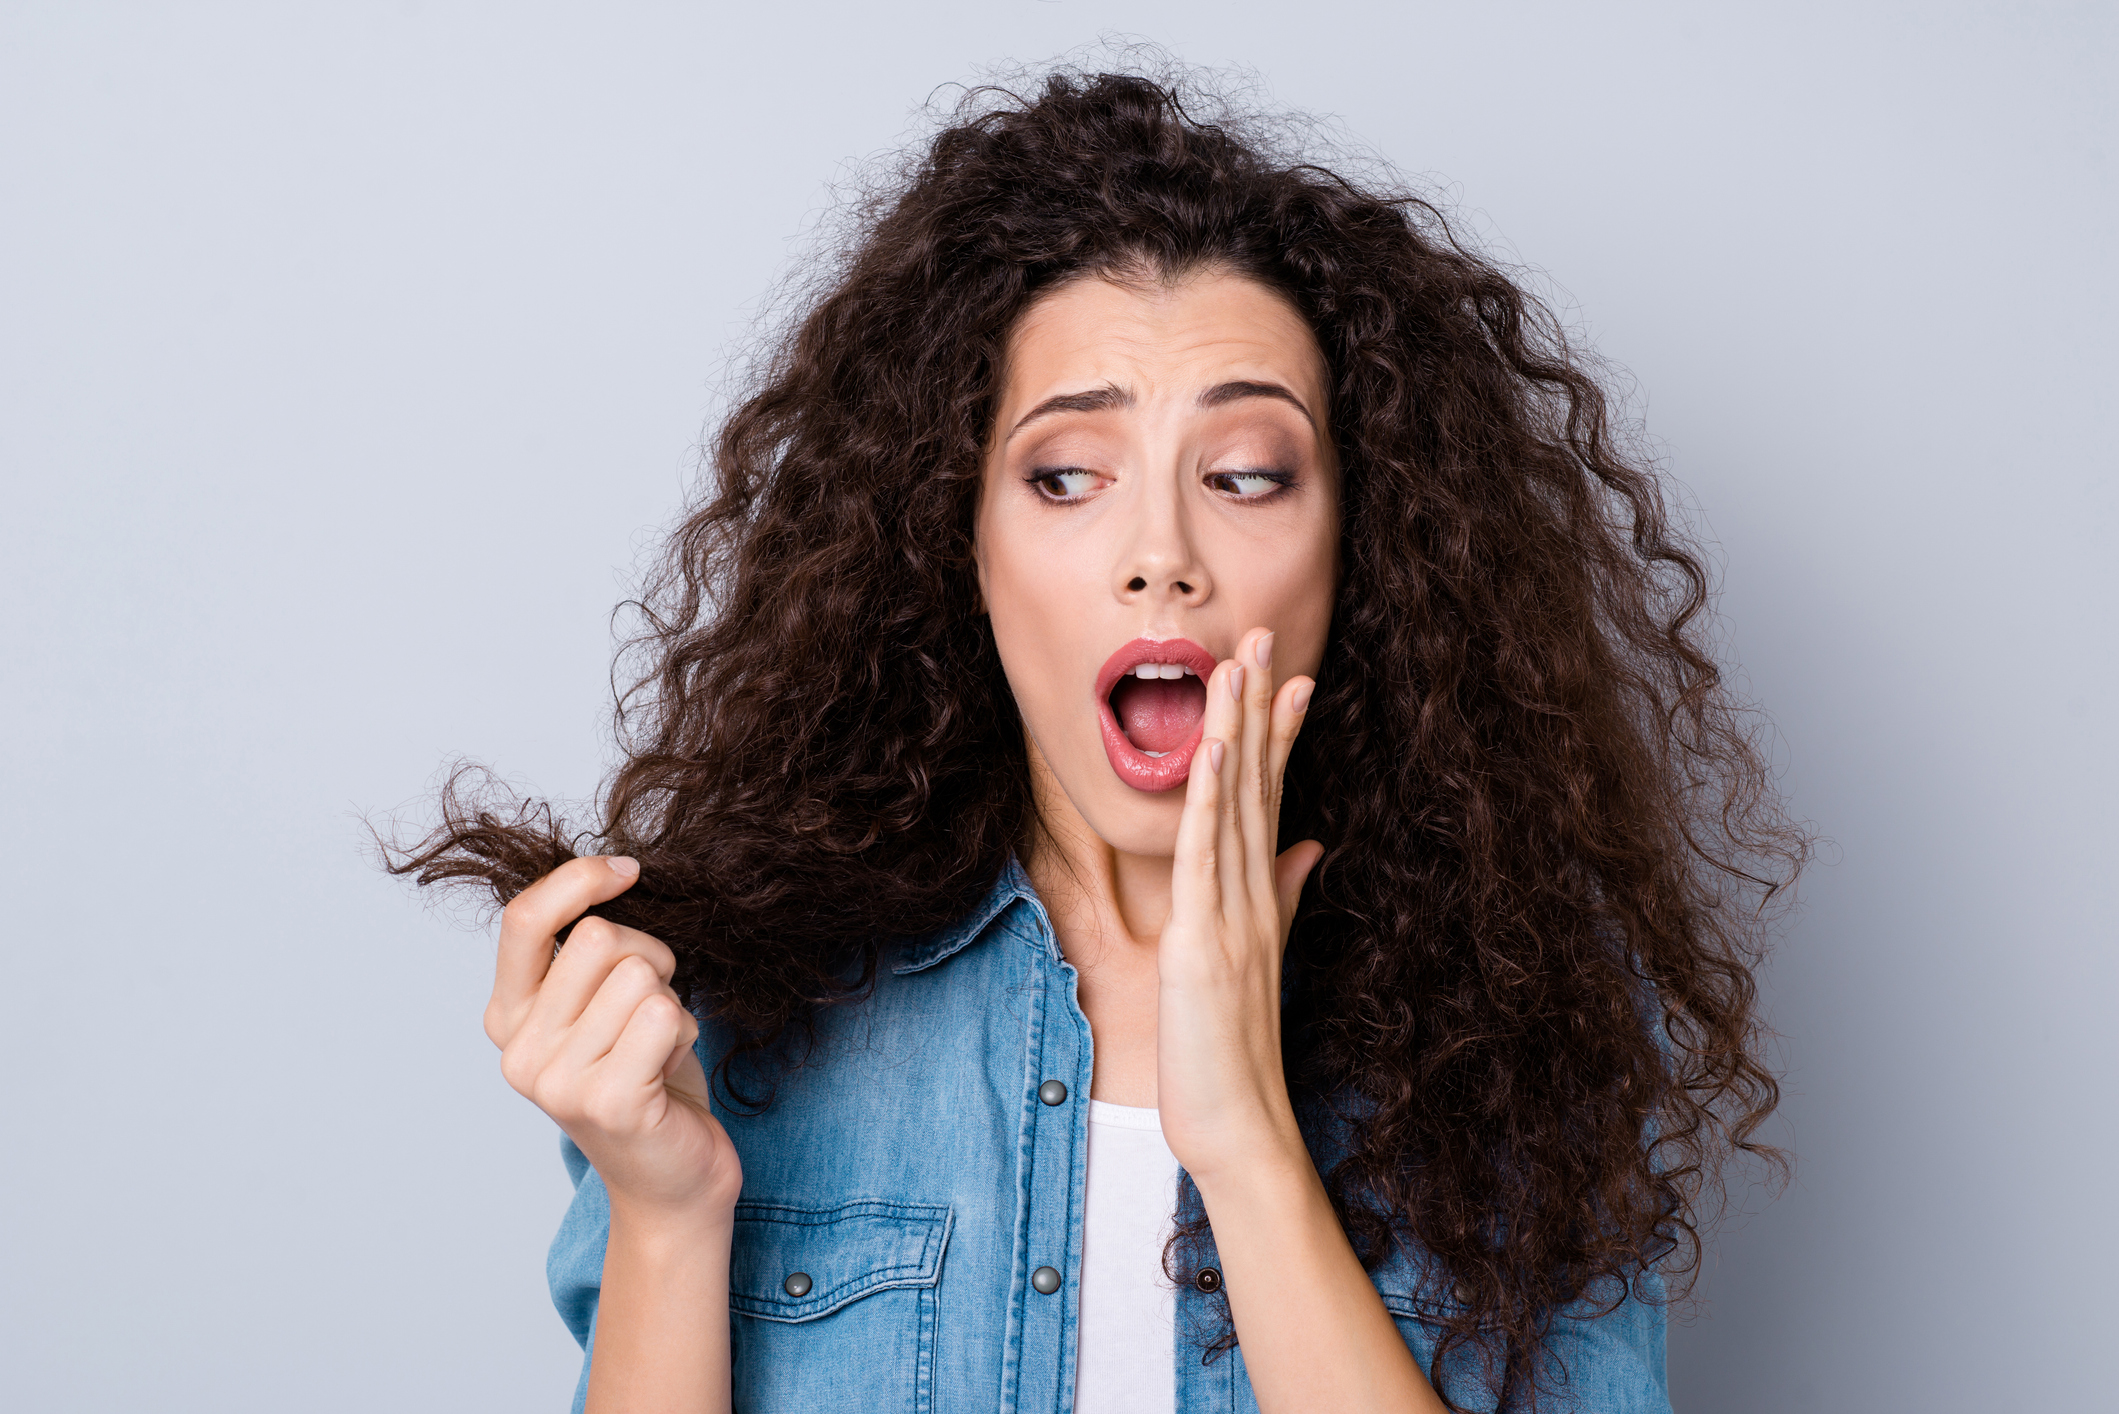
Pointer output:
x,y
1250,485
1063,483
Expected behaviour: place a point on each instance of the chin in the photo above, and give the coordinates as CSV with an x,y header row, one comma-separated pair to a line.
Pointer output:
x,y
1143,827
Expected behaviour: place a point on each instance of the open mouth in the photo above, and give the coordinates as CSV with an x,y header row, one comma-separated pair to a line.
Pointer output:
x,y
1152,698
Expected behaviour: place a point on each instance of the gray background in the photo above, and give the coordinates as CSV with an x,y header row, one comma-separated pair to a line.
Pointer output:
x,y
350,357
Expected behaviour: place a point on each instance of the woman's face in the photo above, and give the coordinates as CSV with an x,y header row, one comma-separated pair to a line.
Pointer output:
x,y
1160,479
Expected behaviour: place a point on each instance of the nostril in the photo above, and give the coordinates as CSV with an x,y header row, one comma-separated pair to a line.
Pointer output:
x,y
1183,588
1136,584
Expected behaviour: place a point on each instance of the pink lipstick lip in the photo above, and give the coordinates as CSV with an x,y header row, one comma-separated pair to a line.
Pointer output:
x,y
1132,765
1182,651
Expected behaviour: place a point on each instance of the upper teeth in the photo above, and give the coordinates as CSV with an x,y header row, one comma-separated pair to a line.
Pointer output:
x,y
1161,670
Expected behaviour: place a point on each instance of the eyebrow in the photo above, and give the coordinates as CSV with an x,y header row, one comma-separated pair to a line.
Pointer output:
x,y
1095,400
1112,396
1222,393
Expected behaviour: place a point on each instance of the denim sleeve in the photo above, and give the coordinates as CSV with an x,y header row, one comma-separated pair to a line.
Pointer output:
x,y
1612,1363
575,1266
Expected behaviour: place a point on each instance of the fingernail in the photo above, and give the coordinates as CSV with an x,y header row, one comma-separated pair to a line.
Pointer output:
x,y
1299,699
1236,683
624,864
1265,651
1215,753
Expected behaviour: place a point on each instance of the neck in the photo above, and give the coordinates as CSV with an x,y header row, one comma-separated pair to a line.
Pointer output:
x,y
1098,896
1107,908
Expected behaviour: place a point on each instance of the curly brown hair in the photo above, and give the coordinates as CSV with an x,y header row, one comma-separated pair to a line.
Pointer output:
x,y
1524,970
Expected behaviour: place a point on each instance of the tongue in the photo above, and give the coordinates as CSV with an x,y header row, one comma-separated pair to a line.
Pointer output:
x,y
1159,714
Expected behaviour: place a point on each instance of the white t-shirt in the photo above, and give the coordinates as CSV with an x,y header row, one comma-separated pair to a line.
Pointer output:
x,y
1126,1361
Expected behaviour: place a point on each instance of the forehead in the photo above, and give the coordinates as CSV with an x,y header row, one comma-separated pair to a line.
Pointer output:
x,y
1154,337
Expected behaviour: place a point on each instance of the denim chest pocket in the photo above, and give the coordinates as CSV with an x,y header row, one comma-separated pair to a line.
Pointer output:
x,y
835,1308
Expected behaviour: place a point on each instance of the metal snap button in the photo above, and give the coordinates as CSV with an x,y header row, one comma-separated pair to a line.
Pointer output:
x,y
1208,1280
1463,1294
1052,1092
1045,1281
797,1284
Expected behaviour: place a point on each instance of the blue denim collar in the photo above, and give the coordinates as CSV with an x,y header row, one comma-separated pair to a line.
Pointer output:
x,y
1013,884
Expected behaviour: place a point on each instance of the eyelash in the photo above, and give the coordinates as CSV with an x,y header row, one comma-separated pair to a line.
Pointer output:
x,y
1281,480
1036,481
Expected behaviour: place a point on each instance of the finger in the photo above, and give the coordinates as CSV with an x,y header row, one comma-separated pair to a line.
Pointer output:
x,y
1291,708
534,917
657,1032
1289,871
1226,693
552,1023
1195,884
675,1063
1196,876
684,1074
594,949
1194,890
1260,825
597,1029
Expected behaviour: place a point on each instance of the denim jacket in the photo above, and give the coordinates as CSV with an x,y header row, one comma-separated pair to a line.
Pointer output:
x,y
918,1171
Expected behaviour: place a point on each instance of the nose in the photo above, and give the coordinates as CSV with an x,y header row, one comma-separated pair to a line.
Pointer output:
x,y
1160,560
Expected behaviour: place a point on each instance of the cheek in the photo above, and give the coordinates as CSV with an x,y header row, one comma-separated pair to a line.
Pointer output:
x,y
1007,570
1297,593
1034,605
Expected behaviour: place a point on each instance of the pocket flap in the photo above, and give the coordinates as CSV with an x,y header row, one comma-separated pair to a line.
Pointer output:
x,y
844,1253
1411,1288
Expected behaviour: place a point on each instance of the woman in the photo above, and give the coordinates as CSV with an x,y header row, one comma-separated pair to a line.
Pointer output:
x,y
1180,800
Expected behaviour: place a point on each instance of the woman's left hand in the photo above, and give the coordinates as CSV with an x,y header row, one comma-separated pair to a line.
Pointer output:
x,y
1219,1080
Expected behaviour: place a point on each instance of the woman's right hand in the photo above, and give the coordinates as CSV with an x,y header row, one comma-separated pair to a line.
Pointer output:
x,y
597,1040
